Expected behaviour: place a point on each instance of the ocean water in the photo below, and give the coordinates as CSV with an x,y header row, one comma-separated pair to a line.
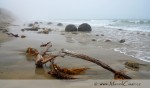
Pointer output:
x,y
135,32
132,25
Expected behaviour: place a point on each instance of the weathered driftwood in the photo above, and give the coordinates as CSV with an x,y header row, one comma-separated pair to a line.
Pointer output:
x,y
44,45
72,71
98,62
55,71
64,73
32,51
40,60
14,35
48,45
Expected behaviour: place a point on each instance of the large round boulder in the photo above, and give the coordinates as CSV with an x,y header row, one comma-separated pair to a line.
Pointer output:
x,y
84,27
70,28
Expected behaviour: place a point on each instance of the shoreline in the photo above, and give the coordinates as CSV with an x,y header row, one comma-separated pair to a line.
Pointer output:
x,y
22,67
3,36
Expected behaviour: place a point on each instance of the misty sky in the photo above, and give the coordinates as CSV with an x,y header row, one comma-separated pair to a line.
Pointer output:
x,y
78,9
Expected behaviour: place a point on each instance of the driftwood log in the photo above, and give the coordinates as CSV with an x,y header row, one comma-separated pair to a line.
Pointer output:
x,y
40,60
56,71
118,75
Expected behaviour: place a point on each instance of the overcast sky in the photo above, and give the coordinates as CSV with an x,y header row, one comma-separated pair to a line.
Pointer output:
x,y
78,9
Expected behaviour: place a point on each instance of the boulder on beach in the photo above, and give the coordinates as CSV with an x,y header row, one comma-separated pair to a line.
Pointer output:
x,y
70,28
59,24
35,22
122,40
30,25
93,39
84,27
120,29
49,23
102,34
107,40
23,36
97,35
23,29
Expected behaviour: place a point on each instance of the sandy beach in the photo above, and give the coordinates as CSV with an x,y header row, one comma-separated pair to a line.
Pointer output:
x,y
3,37
14,64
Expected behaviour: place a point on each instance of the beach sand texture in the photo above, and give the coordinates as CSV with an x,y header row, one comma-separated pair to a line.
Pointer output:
x,y
14,64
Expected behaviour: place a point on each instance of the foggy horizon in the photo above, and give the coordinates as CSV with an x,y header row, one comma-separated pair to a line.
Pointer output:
x,y
77,9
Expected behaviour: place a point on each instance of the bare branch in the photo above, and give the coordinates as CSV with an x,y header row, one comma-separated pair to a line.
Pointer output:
x,y
98,62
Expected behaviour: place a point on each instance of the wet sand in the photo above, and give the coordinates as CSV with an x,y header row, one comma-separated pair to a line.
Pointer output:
x,y
14,64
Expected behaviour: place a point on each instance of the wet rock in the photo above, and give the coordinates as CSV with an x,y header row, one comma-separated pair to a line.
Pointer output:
x,y
132,65
93,39
49,23
59,24
84,27
22,30
102,34
70,28
97,35
16,35
35,22
107,40
122,40
30,25
23,36
120,29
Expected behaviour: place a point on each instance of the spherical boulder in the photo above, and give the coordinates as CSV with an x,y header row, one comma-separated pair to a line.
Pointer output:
x,y
59,24
84,27
122,40
49,23
70,28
